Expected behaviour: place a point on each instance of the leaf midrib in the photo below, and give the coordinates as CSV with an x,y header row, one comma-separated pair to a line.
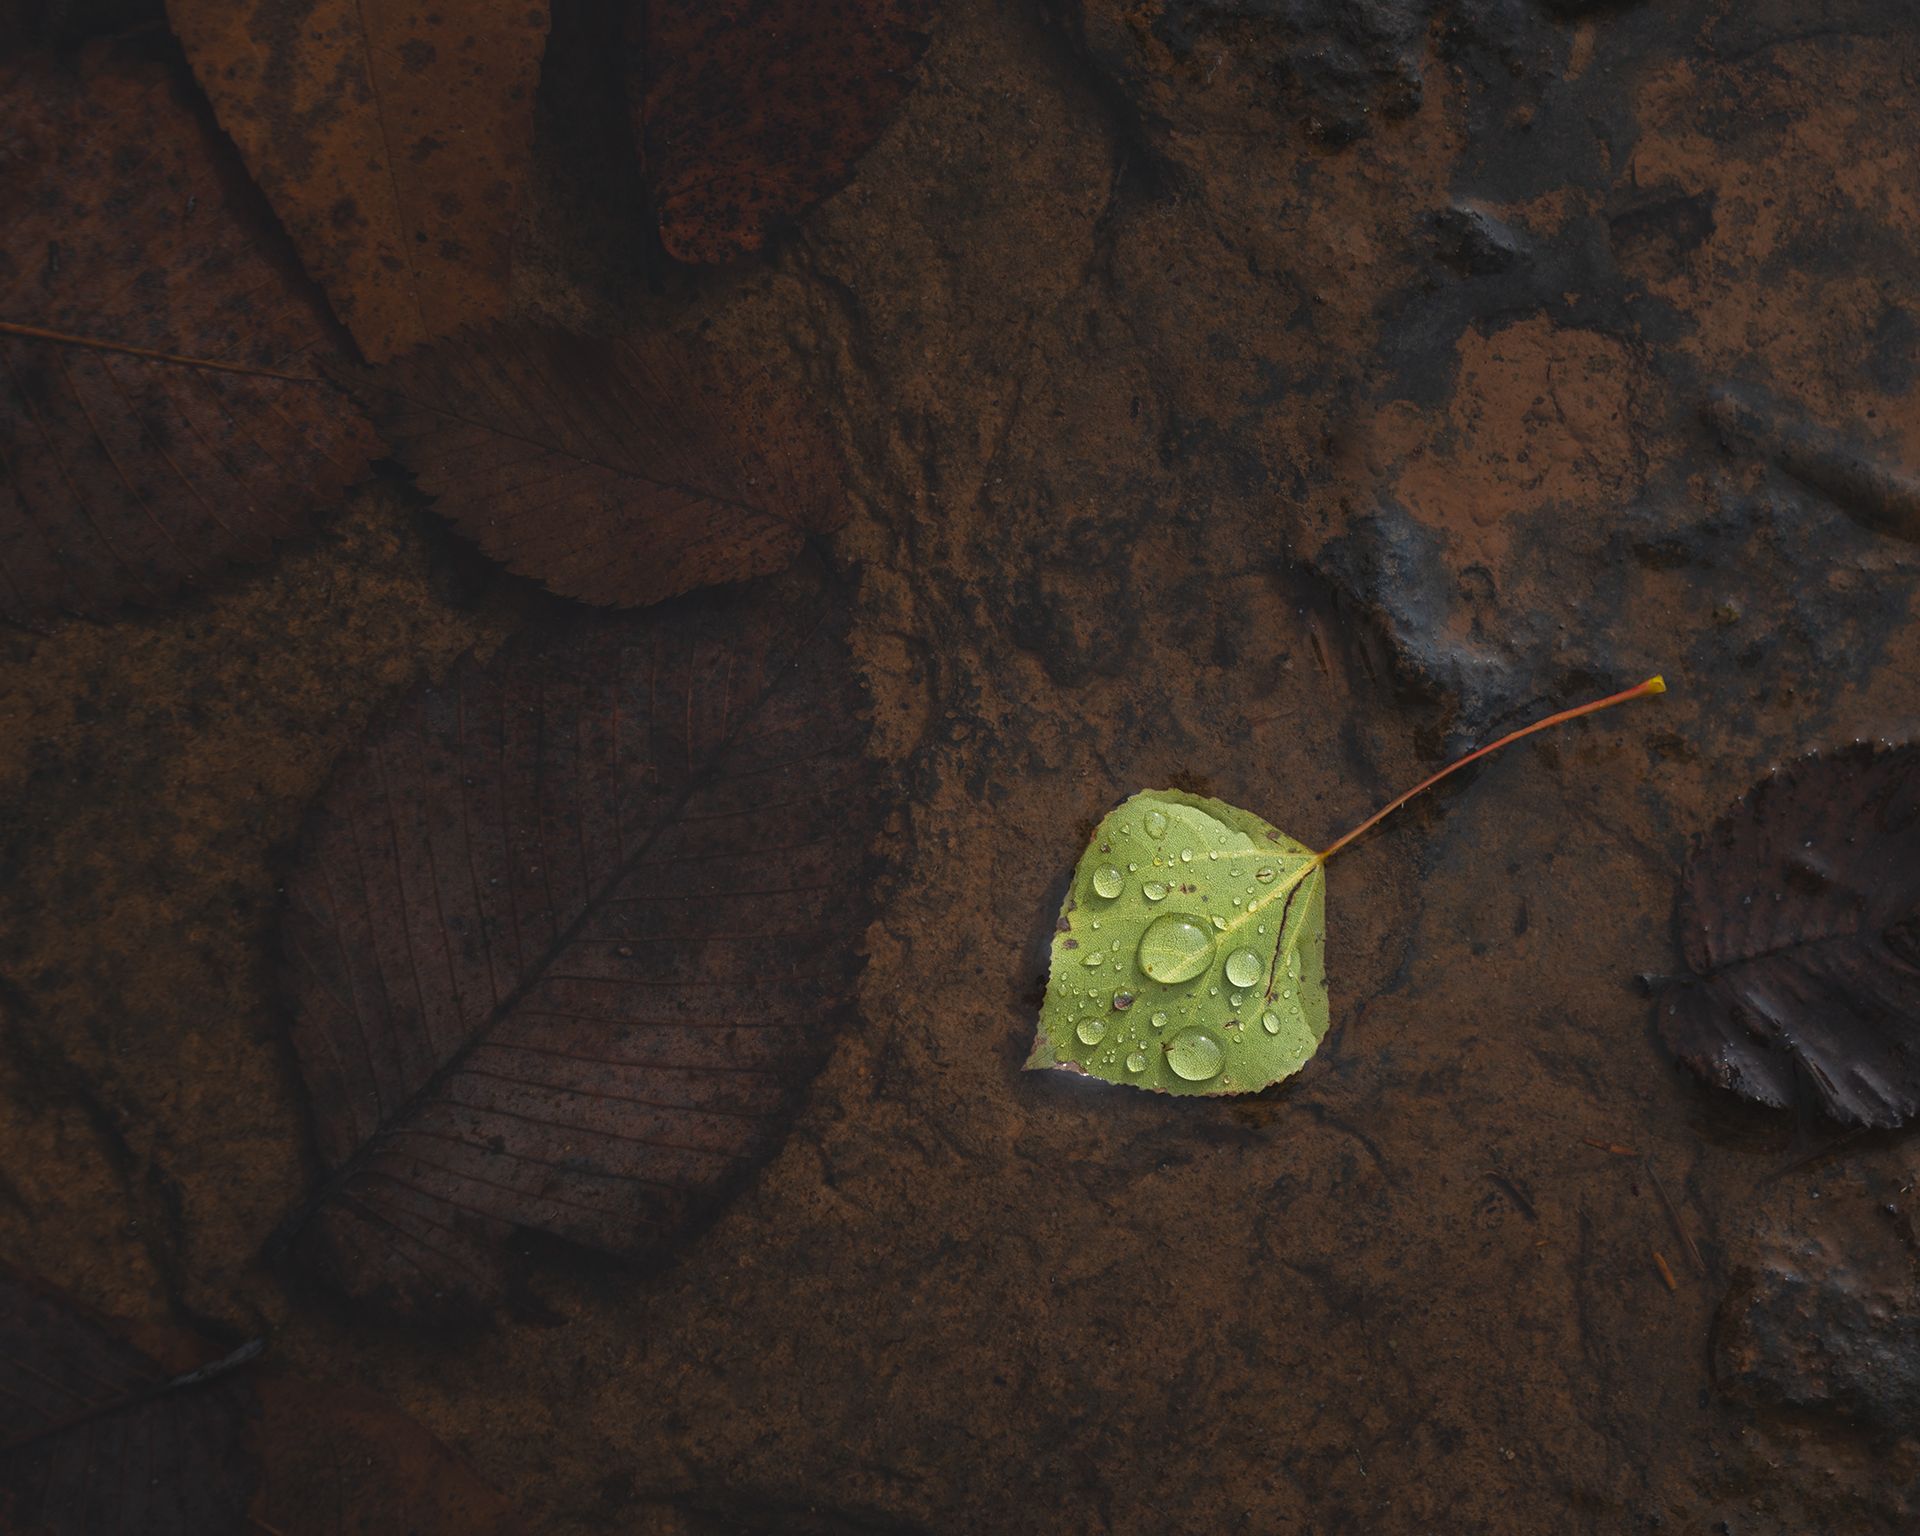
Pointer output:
x,y
622,471
1860,934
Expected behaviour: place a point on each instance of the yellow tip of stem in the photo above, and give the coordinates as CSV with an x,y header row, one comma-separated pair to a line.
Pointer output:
x,y
1655,685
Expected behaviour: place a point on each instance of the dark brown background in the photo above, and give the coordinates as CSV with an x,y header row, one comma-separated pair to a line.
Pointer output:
x,y
1263,398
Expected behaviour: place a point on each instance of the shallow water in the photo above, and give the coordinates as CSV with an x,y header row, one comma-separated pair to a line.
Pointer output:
x,y
1179,456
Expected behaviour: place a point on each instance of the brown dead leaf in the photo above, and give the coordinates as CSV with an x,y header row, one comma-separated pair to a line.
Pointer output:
x,y
98,1436
567,934
750,111
1801,923
393,142
618,473
336,1461
161,410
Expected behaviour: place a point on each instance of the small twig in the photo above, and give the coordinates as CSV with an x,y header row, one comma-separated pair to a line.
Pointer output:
x,y
1673,1215
1660,1263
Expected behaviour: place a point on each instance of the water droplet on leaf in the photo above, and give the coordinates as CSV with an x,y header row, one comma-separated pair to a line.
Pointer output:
x,y
1175,948
1092,1031
1108,882
1158,1021
1153,890
1270,1022
1244,968
1156,824
1195,1055
1137,1062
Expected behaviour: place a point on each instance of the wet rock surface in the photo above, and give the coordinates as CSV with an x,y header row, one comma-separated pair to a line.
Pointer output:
x,y
1814,1336
1254,400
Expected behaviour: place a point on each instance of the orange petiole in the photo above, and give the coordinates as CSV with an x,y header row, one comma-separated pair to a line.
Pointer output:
x,y
1651,686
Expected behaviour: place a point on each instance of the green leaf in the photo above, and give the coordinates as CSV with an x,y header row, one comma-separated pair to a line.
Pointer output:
x,y
1189,953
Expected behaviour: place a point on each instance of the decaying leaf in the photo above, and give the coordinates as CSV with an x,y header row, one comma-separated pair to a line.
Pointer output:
x,y
98,1437
161,406
95,1436
750,111
1189,950
618,473
392,140
337,1461
1800,919
1189,954
567,934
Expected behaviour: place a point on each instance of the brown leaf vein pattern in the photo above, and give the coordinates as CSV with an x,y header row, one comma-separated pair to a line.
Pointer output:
x,y
568,933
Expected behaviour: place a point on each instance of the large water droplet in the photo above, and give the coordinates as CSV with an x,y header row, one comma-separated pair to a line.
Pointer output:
x,y
1175,948
1186,855
1244,968
1122,1001
1137,1062
1263,875
1153,890
1270,1022
1158,1021
1092,1031
1219,922
1195,1055
1156,824
1094,957
1108,882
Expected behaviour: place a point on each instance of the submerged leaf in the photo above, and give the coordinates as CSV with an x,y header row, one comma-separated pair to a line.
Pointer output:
x,y
615,472
1801,922
748,112
162,410
95,1435
393,142
567,935
1188,956
336,1459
